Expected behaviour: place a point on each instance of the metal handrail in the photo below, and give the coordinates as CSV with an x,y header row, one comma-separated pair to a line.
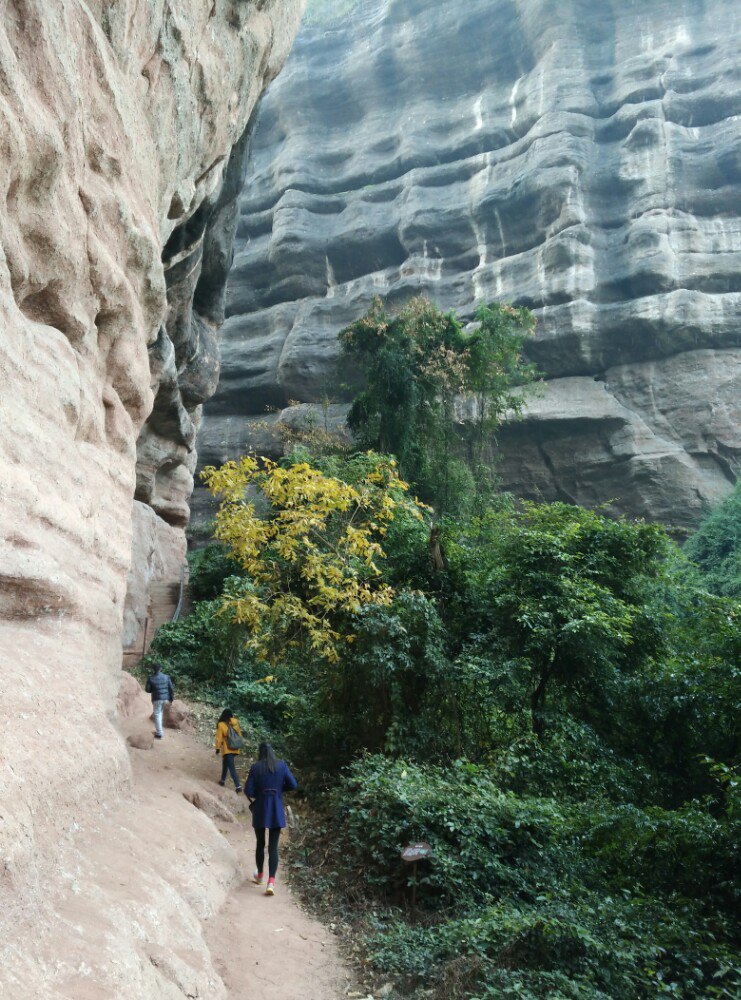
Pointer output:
x,y
179,607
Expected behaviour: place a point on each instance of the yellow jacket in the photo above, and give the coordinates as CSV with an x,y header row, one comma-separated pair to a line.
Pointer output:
x,y
221,733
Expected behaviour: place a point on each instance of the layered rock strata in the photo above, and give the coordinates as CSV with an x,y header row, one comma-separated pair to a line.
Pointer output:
x,y
117,126
579,158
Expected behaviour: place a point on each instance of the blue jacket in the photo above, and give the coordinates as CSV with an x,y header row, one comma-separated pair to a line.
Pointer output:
x,y
160,687
267,789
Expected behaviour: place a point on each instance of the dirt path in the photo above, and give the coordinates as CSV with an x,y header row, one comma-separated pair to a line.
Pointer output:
x,y
264,948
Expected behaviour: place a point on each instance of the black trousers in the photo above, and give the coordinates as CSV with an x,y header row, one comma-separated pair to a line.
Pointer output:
x,y
228,764
273,838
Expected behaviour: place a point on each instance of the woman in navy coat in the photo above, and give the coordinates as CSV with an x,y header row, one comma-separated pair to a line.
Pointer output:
x,y
267,780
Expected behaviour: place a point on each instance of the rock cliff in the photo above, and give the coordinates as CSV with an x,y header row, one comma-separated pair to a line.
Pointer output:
x,y
579,158
122,126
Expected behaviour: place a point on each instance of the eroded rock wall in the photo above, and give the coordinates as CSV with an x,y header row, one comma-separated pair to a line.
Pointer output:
x,y
117,124
580,158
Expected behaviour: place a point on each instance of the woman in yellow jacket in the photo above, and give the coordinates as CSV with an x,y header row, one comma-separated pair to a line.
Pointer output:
x,y
228,742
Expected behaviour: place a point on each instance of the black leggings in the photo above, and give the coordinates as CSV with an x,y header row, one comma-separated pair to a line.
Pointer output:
x,y
228,764
272,850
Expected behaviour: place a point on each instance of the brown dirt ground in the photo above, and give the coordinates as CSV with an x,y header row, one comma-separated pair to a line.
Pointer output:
x,y
264,948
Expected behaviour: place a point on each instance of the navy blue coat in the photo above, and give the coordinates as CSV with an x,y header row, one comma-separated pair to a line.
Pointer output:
x,y
267,789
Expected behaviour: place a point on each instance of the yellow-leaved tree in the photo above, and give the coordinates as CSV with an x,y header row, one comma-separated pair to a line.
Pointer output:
x,y
310,545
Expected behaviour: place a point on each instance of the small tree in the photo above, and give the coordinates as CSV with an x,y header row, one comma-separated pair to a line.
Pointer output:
x,y
496,371
421,370
562,589
310,545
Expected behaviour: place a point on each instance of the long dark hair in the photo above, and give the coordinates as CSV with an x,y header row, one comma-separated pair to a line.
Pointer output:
x,y
226,715
266,756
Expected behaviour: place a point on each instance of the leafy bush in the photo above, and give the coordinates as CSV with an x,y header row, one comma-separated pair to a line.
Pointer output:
x,y
484,840
203,647
382,694
584,899
683,705
571,762
586,946
207,653
560,587
716,547
210,568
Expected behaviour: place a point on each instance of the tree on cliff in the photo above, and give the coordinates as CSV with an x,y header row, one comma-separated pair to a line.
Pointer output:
x,y
434,393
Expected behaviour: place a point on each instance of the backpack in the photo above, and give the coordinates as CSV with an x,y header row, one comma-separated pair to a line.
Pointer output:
x,y
233,740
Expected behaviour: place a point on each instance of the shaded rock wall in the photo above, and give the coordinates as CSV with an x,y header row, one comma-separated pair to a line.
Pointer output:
x,y
117,123
158,556
579,158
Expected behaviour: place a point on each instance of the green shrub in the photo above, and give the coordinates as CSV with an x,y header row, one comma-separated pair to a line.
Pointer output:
x,y
202,647
207,653
562,589
572,762
484,840
588,946
716,547
381,695
552,898
210,568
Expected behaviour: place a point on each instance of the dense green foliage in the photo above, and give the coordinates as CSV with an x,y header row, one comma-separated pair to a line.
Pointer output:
x,y
207,653
584,852
434,393
550,699
562,589
716,547
210,567
590,857
538,893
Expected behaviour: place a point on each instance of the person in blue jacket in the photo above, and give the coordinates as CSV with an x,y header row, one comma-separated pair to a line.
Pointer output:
x,y
266,782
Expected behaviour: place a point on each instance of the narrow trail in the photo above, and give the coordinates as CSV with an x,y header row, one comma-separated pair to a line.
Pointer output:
x,y
264,948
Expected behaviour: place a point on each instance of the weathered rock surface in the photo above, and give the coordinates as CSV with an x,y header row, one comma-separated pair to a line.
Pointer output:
x,y
209,804
132,702
178,716
659,437
158,552
117,123
124,913
140,740
581,159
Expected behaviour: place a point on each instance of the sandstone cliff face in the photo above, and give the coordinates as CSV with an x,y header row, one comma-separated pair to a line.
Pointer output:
x,y
117,126
579,158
